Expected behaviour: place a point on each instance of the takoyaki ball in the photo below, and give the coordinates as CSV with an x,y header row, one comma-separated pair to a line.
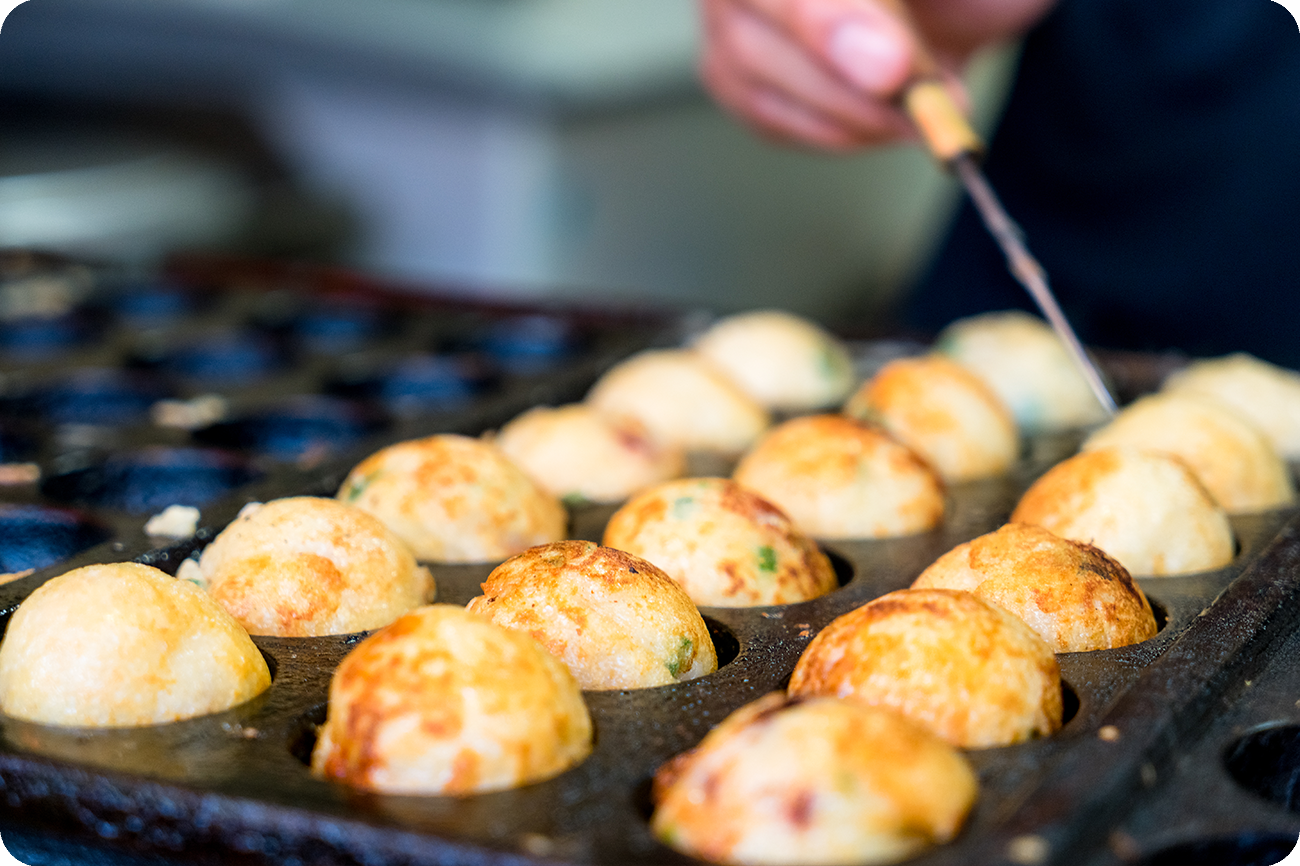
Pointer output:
x,y
1027,366
614,619
580,455
442,701
124,645
965,669
726,545
455,499
785,362
1266,395
841,478
1075,596
819,781
1146,509
943,412
682,399
1236,463
305,566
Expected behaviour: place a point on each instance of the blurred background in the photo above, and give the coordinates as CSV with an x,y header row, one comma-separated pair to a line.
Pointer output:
x,y
527,148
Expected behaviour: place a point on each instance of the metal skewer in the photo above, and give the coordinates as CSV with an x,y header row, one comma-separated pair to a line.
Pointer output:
x,y
1026,269
950,138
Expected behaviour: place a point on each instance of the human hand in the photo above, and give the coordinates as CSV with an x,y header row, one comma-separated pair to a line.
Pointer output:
x,y
826,72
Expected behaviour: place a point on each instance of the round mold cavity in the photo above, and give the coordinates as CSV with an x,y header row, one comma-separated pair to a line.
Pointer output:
x,y
1245,849
1160,612
531,343
1267,763
151,302
34,536
725,644
1070,703
300,427
17,446
226,357
421,383
95,396
149,480
843,567
302,739
272,664
43,336
331,324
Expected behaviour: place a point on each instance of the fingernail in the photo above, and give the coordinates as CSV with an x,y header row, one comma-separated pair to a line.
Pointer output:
x,y
868,57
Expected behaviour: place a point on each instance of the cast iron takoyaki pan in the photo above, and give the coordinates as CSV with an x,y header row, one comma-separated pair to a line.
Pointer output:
x,y
1184,749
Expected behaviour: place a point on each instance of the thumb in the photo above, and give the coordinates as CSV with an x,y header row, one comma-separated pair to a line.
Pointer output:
x,y
867,43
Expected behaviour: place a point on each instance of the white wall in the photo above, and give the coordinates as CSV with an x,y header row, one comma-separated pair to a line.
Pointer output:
x,y
669,200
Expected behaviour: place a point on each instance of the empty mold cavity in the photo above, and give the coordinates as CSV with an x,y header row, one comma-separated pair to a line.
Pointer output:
x,y
1267,763
303,426
1246,849
843,568
41,336
1159,612
725,644
272,665
149,480
421,383
531,344
302,741
340,323
16,446
153,302
1070,703
226,357
96,396
33,536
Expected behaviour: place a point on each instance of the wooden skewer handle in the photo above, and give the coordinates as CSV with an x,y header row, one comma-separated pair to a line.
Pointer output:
x,y
947,132
943,125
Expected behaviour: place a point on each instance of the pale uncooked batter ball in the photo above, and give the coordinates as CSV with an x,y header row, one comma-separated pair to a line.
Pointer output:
x,y
1075,596
965,669
841,478
1144,508
1235,462
306,565
1026,364
442,701
785,362
581,455
617,621
124,645
726,545
682,399
455,499
1264,394
943,412
819,781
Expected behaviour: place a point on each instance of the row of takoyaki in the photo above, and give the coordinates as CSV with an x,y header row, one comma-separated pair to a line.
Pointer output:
x,y
445,699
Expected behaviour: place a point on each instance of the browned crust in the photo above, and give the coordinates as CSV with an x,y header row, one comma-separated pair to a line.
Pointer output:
x,y
944,658
420,669
1074,480
1076,596
617,620
787,771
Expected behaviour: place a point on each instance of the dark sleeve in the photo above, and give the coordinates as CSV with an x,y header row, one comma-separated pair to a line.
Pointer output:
x,y
1151,152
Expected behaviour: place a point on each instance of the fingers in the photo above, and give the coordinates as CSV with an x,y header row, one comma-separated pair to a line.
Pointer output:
x,y
864,43
806,71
